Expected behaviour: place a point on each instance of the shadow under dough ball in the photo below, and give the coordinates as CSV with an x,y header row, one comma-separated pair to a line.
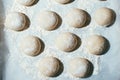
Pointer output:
x,y
77,18
26,2
48,20
30,45
16,21
97,45
105,16
66,41
80,67
63,1
49,66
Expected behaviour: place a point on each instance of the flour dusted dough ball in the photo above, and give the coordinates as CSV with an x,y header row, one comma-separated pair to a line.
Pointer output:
x,y
30,45
104,16
49,66
26,2
77,18
15,21
79,67
96,44
63,1
67,41
48,20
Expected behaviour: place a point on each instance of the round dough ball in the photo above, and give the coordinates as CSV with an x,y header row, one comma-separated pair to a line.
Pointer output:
x,y
96,45
77,18
67,41
16,21
49,66
48,20
104,16
26,2
30,45
79,67
63,1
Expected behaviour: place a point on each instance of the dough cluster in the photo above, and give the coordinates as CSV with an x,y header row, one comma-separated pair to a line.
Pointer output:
x,y
48,20
104,16
67,41
26,2
79,67
96,44
16,21
77,18
30,45
49,66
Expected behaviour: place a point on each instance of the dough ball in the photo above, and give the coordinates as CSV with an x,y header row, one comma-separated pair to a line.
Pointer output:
x,y
30,45
49,66
67,41
102,0
63,1
26,2
96,45
79,67
48,20
77,18
16,21
104,16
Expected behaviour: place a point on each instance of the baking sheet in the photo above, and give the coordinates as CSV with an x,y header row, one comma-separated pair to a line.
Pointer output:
x,y
17,66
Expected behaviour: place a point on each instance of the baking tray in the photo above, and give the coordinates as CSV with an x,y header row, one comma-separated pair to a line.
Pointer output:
x,y
17,68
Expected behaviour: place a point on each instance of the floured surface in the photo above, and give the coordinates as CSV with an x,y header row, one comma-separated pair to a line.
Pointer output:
x,y
25,67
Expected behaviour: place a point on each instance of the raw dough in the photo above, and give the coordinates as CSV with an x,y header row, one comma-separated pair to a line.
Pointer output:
x,y
102,0
77,18
67,41
48,20
26,2
96,44
49,66
104,16
79,67
30,45
63,1
15,21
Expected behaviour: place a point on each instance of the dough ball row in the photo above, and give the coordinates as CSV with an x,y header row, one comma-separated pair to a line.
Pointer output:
x,y
95,44
66,42
31,2
49,20
77,67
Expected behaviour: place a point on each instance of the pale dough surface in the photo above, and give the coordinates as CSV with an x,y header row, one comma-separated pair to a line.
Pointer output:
x,y
48,20
78,67
104,16
66,41
15,21
76,18
26,2
49,66
63,1
30,45
96,44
